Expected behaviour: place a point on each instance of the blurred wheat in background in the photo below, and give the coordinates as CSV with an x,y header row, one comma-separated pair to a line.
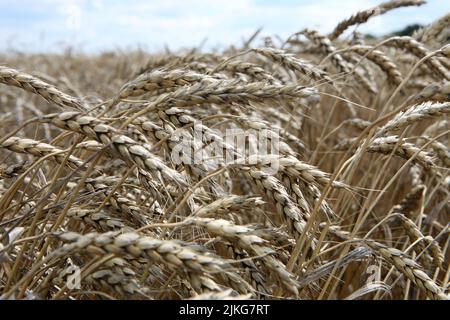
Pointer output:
x,y
101,197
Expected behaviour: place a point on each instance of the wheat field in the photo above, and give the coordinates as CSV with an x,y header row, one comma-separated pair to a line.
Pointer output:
x,y
119,179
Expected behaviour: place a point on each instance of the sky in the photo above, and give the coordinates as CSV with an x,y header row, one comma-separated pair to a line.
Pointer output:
x,y
97,25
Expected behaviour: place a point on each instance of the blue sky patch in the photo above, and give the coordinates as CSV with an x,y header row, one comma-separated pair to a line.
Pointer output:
x,y
49,25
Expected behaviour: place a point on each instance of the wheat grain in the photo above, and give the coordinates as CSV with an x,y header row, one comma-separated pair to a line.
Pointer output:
x,y
32,84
